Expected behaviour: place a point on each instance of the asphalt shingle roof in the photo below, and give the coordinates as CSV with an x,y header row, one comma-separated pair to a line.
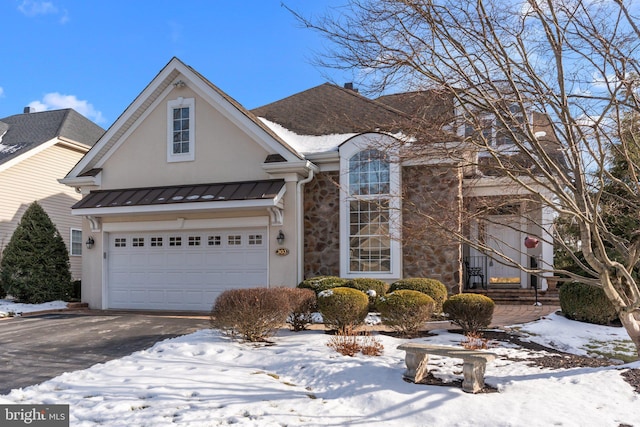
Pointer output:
x,y
26,131
329,109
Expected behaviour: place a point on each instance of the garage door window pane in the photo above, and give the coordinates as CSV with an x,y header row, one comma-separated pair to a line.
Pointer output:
x,y
194,240
235,240
120,242
255,239
175,241
137,242
215,241
156,241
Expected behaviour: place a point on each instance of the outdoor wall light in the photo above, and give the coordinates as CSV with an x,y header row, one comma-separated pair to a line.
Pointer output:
x,y
90,242
280,237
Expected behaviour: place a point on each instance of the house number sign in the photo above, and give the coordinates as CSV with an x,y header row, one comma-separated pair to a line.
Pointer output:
x,y
282,251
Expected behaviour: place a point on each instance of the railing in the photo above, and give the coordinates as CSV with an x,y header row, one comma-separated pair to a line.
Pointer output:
x,y
476,272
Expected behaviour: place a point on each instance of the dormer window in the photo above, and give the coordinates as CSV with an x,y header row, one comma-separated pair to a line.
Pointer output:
x,y
180,130
487,130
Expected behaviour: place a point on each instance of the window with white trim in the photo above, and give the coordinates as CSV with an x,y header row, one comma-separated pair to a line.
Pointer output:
x,y
369,239
499,133
76,242
180,130
369,232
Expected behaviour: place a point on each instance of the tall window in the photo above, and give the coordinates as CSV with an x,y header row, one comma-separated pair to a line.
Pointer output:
x,y
76,242
369,187
180,130
370,231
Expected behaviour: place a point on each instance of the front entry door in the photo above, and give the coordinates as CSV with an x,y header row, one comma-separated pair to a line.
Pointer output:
x,y
504,236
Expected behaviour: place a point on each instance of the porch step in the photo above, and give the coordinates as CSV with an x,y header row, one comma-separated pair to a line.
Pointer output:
x,y
519,296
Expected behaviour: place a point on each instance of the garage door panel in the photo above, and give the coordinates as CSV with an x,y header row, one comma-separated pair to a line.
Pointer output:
x,y
181,270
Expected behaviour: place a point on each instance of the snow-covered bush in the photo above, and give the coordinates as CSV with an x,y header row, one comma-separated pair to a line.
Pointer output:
x,y
343,309
321,283
252,314
432,287
586,303
469,311
406,311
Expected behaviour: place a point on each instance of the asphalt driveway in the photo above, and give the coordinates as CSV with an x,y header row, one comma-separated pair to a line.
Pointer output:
x,y
36,348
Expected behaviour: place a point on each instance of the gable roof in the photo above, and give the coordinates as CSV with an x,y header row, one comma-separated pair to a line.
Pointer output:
x,y
153,92
24,132
329,109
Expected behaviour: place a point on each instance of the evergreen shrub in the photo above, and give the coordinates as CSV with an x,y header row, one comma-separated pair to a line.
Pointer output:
x,y
406,311
432,287
374,288
586,303
469,311
35,263
322,283
343,309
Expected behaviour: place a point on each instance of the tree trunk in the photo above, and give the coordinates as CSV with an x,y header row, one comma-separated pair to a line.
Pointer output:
x,y
631,322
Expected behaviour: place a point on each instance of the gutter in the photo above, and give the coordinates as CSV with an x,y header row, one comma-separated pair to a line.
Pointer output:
x,y
300,220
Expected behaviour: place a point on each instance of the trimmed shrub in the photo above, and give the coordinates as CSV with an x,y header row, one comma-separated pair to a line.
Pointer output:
x,y
405,311
432,287
252,314
343,309
586,303
35,264
322,283
469,311
303,304
365,285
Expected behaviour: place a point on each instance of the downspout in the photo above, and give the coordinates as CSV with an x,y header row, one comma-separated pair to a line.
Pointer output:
x,y
300,222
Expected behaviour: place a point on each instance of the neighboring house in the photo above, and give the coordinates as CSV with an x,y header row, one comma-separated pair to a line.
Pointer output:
x,y
189,194
37,149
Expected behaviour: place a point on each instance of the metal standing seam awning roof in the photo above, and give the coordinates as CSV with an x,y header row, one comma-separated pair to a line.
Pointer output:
x,y
247,194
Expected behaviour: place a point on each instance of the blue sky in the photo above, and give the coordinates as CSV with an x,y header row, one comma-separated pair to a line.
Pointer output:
x,y
96,56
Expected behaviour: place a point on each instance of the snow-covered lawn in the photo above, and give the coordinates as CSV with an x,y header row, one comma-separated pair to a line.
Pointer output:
x,y
10,308
205,379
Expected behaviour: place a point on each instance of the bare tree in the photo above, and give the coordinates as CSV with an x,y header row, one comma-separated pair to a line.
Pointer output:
x,y
572,65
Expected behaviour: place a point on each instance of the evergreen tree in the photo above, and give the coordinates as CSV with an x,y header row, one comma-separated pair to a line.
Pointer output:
x,y
35,264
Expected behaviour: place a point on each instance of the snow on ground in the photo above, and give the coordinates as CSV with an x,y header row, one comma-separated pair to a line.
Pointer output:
x,y
10,308
206,379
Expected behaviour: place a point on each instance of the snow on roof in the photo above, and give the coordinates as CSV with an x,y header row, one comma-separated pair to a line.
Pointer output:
x,y
10,149
308,144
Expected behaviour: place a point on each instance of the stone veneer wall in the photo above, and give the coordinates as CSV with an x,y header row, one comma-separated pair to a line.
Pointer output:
x,y
322,226
432,203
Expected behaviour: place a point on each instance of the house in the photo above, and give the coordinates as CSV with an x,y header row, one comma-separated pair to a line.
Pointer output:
x,y
189,194
37,149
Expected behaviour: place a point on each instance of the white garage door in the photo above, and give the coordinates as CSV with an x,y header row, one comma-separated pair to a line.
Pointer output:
x,y
183,270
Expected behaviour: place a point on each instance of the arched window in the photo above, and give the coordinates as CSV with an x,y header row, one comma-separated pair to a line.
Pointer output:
x,y
368,173
370,210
